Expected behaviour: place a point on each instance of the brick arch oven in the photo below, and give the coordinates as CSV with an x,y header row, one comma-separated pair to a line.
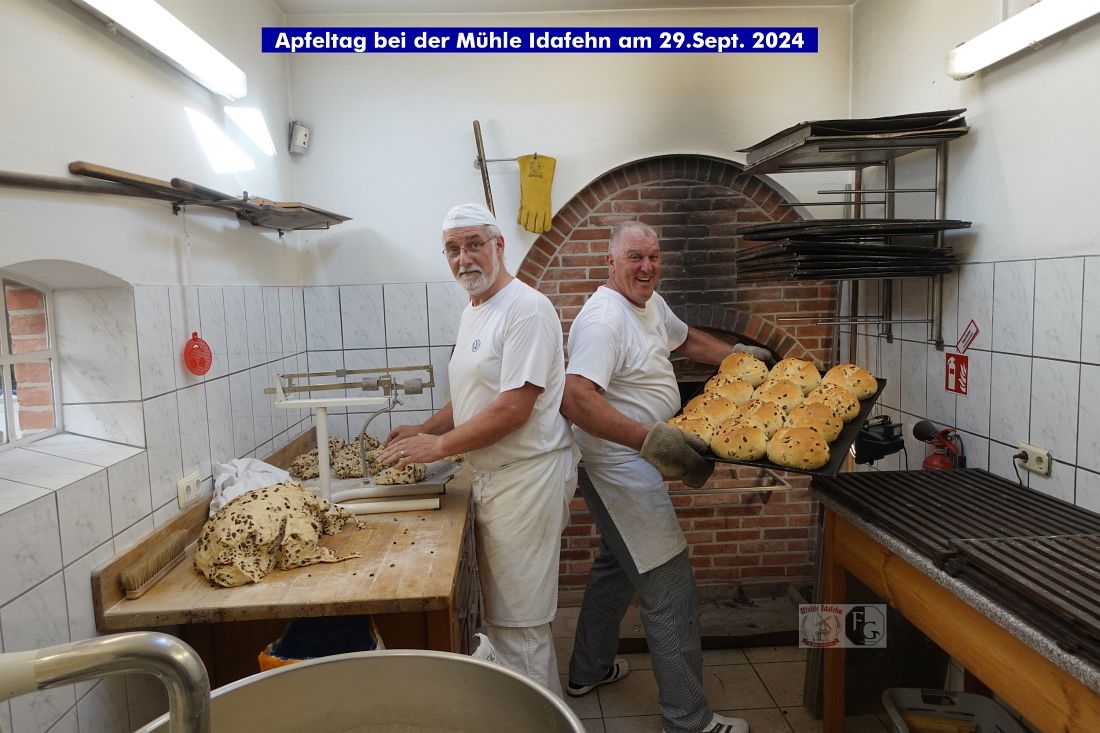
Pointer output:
x,y
746,528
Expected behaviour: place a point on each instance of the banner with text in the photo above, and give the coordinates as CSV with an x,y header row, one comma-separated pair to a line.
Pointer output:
x,y
539,40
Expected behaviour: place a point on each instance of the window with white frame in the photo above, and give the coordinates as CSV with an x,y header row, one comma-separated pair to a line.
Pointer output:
x,y
28,364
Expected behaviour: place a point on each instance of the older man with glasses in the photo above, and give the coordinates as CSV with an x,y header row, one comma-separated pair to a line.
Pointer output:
x,y
507,377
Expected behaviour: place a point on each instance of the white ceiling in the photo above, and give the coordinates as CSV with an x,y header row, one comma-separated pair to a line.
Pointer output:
x,y
327,7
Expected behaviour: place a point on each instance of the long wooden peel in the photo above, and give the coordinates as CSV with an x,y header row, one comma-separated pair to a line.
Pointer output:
x,y
285,216
163,189
53,183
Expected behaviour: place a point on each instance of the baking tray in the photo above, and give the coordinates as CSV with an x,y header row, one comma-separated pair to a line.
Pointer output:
x,y
838,449
822,228
837,248
846,274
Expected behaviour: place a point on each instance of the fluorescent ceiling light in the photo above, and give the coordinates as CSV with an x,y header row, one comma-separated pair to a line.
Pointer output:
x,y
153,26
251,121
1026,28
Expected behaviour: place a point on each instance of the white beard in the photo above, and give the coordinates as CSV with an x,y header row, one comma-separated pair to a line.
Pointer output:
x,y
477,285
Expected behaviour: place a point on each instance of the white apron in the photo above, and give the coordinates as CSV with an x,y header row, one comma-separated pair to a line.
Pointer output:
x,y
637,499
520,511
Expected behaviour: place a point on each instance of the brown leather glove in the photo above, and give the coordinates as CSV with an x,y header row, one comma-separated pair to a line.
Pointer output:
x,y
677,455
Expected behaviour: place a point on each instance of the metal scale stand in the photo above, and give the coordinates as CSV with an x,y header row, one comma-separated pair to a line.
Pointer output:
x,y
291,394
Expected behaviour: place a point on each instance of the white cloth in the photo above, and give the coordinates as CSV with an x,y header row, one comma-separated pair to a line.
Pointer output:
x,y
509,340
529,651
636,497
520,512
240,476
625,351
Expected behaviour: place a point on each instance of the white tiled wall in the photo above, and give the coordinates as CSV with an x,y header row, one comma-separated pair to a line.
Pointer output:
x,y
1034,368
136,422
372,326
71,502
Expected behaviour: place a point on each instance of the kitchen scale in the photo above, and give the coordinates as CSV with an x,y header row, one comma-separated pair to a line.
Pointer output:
x,y
300,390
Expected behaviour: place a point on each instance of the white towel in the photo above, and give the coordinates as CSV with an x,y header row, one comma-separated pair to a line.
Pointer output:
x,y
240,476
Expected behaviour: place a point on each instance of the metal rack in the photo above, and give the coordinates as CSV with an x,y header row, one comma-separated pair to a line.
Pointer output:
x,y
857,145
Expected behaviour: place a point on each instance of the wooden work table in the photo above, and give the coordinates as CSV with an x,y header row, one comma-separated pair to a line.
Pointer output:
x,y
1053,690
416,577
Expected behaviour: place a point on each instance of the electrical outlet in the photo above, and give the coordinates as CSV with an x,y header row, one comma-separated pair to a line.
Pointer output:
x,y
187,489
1036,460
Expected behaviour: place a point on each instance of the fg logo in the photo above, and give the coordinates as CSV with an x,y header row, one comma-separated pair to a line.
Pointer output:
x,y
865,626
841,625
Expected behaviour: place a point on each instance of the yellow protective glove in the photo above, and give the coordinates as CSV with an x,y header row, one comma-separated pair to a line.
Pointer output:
x,y
536,175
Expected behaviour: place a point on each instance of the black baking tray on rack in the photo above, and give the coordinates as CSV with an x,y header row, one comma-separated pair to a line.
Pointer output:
x,y
838,248
850,228
838,449
765,276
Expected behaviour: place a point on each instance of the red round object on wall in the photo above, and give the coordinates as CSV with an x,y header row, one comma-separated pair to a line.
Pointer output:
x,y
197,356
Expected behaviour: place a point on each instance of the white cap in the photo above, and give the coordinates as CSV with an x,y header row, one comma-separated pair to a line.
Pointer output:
x,y
468,215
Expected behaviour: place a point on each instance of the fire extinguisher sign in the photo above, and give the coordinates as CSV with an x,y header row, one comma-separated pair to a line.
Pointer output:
x,y
956,373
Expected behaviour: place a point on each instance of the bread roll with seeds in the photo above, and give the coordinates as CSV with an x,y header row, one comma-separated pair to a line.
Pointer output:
x,y
782,392
843,402
817,415
737,391
767,416
712,407
803,448
799,371
734,441
745,366
854,378
693,425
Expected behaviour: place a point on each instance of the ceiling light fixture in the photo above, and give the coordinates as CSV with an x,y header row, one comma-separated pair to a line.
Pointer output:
x,y
1025,29
158,30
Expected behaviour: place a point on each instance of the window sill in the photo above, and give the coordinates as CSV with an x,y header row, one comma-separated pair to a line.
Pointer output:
x,y
36,469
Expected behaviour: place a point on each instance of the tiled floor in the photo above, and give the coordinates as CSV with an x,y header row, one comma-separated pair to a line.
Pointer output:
x,y
763,685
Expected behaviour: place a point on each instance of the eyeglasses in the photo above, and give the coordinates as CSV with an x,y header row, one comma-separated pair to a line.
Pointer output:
x,y
453,253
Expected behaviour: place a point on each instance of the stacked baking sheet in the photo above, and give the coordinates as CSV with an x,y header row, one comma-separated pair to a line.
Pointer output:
x,y
844,249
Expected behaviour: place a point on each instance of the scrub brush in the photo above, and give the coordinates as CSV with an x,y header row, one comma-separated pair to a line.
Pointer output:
x,y
154,564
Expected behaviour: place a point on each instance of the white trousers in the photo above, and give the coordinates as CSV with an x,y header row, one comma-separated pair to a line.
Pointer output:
x,y
528,650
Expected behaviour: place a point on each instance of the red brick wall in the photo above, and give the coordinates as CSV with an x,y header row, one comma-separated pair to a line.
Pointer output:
x,y
28,329
697,205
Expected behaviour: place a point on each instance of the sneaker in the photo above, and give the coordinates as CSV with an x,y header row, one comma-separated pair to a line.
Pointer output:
x,y
617,672
722,724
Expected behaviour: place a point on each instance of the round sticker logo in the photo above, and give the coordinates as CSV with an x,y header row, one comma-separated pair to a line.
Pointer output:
x,y
475,345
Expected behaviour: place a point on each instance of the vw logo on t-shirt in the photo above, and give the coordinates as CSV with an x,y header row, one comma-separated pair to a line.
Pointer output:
x,y
475,345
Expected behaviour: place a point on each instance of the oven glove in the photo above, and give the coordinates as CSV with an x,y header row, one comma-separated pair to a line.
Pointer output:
x,y
764,355
536,176
677,455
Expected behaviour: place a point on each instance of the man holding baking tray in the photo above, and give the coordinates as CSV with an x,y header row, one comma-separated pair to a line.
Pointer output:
x,y
507,377
619,390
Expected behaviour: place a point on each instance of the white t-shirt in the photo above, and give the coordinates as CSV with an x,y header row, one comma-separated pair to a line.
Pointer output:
x,y
510,339
625,351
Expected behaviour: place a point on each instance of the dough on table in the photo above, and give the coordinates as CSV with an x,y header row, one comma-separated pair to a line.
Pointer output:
x,y
278,526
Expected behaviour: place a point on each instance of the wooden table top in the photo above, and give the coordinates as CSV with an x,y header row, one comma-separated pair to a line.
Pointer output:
x,y
409,562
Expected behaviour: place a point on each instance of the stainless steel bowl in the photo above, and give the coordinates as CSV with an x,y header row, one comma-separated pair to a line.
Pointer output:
x,y
392,691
